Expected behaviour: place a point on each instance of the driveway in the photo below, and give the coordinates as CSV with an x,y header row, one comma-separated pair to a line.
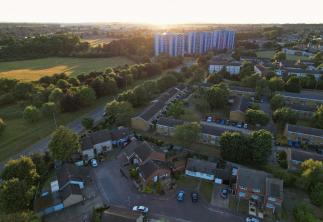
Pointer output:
x,y
217,200
117,190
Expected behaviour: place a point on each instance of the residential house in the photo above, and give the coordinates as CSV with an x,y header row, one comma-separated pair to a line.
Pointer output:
x,y
96,143
48,203
147,118
121,136
210,134
201,169
238,109
153,171
71,194
296,52
117,214
302,110
232,67
310,98
297,156
300,135
242,91
260,188
262,70
299,72
166,126
140,152
69,174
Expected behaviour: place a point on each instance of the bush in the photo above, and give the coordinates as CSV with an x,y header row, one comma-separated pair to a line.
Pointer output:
x,y
48,109
31,114
316,194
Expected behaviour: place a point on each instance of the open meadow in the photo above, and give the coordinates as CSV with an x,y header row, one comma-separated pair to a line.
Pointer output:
x,y
34,69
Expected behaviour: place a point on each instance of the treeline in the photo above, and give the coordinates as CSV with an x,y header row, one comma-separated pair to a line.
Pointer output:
x,y
61,93
137,48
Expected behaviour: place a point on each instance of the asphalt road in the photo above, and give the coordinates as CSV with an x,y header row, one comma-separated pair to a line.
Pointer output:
x,y
119,191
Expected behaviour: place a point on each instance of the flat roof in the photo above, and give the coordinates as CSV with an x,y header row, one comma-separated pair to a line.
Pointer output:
x,y
305,130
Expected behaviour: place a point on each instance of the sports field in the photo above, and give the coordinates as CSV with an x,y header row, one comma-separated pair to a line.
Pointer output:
x,y
270,54
34,69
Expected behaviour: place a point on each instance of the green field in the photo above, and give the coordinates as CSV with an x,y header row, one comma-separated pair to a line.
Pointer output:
x,y
34,69
270,54
19,134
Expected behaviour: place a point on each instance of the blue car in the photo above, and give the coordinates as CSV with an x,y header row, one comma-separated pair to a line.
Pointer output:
x,y
180,196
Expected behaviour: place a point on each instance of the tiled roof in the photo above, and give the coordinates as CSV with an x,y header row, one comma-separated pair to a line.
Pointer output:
x,y
305,130
95,138
116,214
69,190
240,104
148,169
170,122
202,166
312,95
120,133
300,107
67,173
252,179
274,187
241,88
301,155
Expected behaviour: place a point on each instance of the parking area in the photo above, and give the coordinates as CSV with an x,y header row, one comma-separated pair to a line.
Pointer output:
x,y
218,200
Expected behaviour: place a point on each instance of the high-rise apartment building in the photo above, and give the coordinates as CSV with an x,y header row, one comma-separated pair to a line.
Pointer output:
x,y
176,44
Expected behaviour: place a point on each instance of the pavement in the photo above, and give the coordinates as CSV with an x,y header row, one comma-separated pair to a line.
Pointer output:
x,y
217,200
117,190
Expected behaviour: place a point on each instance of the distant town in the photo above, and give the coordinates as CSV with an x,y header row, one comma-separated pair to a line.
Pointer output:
x,y
129,122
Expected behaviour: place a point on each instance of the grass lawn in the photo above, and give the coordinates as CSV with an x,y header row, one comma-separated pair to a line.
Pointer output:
x,y
98,41
269,54
34,69
187,182
206,189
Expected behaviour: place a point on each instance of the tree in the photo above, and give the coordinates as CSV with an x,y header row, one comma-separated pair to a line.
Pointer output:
x,y
23,90
233,147
176,109
302,213
217,96
62,84
316,194
293,85
187,134
254,117
277,101
311,172
43,163
69,102
214,79
308,82
31,114
2,126
279,56
317,118
104,86
260,145
85,95
284,115
251,81
247,69
15,195
56,96
276,84
49,109
119,113
64,143
23,169
87,123
74,81
282,159
166,82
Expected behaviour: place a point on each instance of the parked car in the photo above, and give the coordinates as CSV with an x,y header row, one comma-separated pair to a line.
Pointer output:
x,y
194,197
180,196
239,125
209,119
252,219
94,163
141,209
224,193
233,123
245,126
227,122
222,122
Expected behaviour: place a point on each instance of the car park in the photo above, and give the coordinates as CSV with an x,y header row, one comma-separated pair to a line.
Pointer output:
x,y
194,197
252,219
180,196
94,163
141,209
224,193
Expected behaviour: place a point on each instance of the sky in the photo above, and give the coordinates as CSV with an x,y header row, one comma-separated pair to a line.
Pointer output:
x,y
162,11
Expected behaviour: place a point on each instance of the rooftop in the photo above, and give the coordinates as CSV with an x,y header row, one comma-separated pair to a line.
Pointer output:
x,y
170,122
69,190
274,187
252,179
116,214
202,166
68,172
305,94
305,130
301,155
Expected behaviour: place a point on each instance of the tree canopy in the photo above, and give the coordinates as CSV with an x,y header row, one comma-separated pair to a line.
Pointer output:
x,y
187,134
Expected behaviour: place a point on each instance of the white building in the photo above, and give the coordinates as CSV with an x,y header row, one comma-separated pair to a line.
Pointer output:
x,y
231,67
